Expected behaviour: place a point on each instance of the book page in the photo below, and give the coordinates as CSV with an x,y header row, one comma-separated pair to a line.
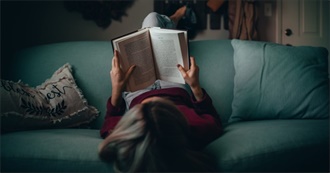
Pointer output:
x,y
137,51
170,48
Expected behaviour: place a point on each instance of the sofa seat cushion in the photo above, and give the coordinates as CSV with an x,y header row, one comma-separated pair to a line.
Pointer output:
x,y
272,146
59,150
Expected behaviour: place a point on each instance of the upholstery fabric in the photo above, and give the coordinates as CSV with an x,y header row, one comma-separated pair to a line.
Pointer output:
x,y
274,81
216,72
249,146
55,150
90,61
273,146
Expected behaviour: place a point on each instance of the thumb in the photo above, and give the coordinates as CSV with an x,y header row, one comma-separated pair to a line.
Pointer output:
x,y
129,71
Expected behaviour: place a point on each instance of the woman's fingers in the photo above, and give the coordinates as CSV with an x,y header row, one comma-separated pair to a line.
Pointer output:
x,y
192,62
129,72
182,71
115,59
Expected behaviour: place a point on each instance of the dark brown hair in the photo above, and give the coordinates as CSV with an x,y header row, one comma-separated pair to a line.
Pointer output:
x,y
153,137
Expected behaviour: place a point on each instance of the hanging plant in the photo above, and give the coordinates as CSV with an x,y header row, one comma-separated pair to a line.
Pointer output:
x,y
101,12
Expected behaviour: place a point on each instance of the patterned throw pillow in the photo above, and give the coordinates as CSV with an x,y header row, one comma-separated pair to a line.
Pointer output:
x,y
57,103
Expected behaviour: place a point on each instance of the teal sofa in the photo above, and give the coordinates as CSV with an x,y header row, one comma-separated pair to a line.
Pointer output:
x,y
258,144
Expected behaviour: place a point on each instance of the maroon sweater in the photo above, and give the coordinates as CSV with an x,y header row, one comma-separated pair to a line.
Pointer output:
x,y
203,120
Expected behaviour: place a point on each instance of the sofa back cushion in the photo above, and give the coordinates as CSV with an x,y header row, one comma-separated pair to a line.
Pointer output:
x,y
91,64
274,81
215,60
90,61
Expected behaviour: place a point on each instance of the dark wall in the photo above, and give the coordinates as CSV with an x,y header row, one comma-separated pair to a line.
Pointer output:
x,y
19,22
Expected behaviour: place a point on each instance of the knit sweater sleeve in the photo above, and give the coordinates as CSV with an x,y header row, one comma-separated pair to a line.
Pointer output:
x,y
112,117
205,122
205,106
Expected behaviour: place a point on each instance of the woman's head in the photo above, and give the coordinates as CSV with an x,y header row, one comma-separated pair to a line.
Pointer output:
x,y
151,130
156,125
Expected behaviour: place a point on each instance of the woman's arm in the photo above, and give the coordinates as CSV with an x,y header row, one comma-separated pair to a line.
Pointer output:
x,y
205,124
118,79
204,120
191,77
115,105
112,117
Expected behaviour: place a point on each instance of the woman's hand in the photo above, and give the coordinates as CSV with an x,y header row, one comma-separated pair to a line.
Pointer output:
x,y
191,77
118,78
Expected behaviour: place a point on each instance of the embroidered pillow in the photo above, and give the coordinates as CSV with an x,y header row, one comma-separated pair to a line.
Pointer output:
x,y
57,103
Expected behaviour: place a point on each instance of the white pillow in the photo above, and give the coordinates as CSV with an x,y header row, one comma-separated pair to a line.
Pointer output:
x,y
57,103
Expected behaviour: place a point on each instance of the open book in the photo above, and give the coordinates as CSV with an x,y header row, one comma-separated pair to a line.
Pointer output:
x,y
156,53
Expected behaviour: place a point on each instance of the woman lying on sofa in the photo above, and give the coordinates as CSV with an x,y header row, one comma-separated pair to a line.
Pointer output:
x,y
166,125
